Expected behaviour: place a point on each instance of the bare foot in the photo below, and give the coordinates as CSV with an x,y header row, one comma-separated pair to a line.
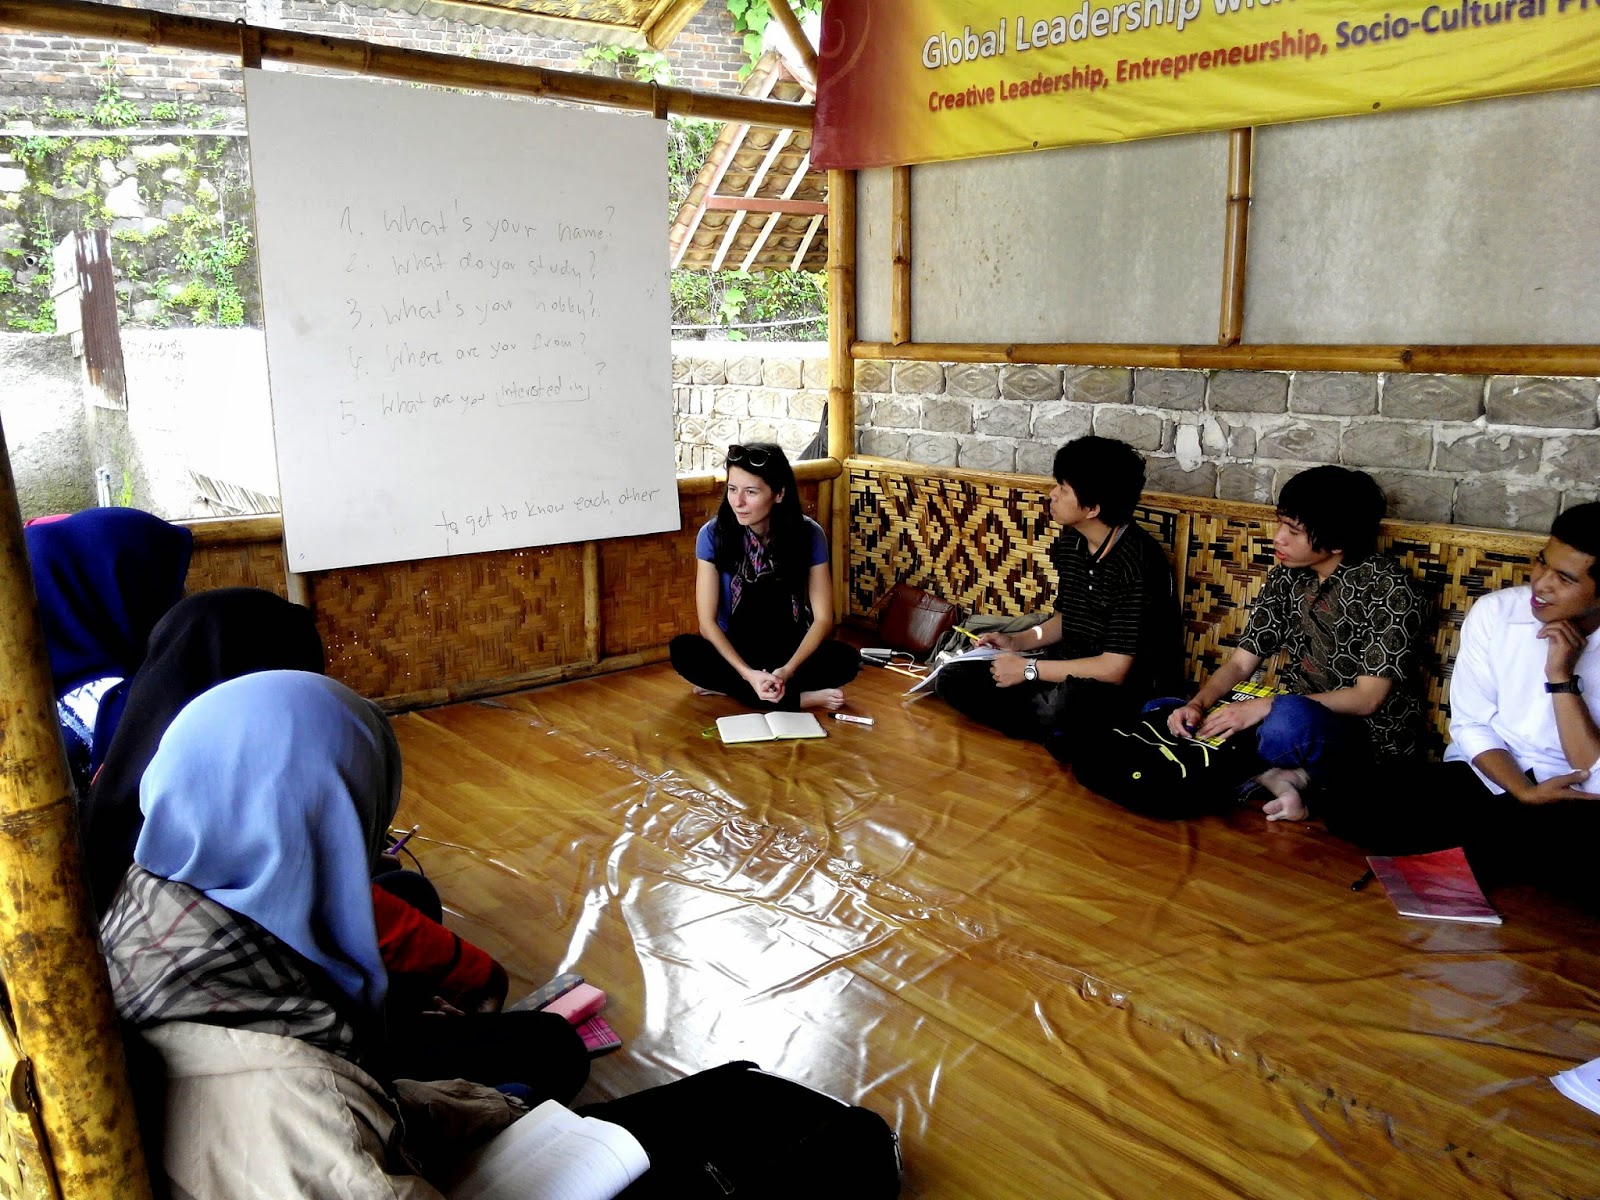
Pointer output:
x,y
700,691
827,699
1285,784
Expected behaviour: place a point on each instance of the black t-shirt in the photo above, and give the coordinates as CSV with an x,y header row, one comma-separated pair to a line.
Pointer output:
x,y
1124,602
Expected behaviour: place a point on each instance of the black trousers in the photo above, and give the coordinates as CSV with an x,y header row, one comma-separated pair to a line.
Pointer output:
x,y
1414,807
1061,715
833,664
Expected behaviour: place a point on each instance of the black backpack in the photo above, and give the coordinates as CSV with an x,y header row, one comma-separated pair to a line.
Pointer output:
x,y
737,1131
1140,765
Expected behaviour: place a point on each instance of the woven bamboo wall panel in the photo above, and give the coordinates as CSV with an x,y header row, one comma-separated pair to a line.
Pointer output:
x,y
647,583
238,564
985,545
399,628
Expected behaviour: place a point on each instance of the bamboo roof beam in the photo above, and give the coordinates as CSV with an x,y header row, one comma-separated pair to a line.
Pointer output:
x,y
789,189
79,18
668,21
805,243
784,14
745,203
1422,360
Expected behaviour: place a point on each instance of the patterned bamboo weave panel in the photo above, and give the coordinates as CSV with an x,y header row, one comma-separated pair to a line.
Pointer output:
x,y
400,628
984,546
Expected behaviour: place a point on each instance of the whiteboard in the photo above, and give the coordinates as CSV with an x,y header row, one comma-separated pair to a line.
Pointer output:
x,y
466,309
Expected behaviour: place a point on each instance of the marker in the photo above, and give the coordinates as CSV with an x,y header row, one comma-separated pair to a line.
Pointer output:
x,y
854,720
404,838
1366,878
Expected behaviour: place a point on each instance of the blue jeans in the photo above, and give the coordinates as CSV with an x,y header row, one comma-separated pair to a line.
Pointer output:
x,y
1302,733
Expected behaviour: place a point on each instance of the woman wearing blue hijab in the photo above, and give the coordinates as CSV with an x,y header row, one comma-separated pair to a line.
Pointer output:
x,y
243,957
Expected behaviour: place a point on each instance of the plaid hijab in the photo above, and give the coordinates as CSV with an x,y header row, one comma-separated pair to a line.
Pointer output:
x,y
174,955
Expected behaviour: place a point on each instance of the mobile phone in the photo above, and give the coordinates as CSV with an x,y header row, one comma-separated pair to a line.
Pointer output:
x,y
599,1037
554,990
578,1005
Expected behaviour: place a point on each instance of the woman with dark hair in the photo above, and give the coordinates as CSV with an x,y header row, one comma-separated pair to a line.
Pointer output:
x,y
764,596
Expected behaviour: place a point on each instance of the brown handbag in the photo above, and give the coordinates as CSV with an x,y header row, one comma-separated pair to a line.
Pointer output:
x,y
914,620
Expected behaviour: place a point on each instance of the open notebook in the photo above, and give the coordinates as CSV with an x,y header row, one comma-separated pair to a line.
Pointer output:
x,y
553,1154
769,727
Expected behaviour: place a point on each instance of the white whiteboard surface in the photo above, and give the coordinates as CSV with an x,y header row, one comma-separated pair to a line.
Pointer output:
x,y
466,318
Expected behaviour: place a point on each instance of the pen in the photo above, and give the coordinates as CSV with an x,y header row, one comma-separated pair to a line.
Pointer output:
x,y
965,632
1366,877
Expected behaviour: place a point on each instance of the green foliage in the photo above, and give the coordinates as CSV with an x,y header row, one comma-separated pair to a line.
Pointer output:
x,y
647,66
689,143
733,298
211,253
8,281
750,19
111,110
34,149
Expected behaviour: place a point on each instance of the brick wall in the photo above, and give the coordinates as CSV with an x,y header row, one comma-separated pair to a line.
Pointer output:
x,y
1503,451
72,72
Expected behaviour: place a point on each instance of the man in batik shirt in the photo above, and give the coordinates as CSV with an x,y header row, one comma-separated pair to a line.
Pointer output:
x,y
1350,623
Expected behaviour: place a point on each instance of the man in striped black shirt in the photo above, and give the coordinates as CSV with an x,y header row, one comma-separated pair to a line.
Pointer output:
x,y
1113,638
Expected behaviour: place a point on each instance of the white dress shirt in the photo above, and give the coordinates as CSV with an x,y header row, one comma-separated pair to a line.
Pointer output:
x,y
1497,696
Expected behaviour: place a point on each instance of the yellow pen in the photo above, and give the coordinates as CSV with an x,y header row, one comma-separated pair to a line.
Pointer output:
x,y
967,632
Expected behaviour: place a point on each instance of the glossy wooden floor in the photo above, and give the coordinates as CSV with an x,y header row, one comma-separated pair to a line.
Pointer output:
x,y
1045,996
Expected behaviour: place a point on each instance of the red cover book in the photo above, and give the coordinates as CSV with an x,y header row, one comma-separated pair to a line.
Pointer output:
x,y
1439,886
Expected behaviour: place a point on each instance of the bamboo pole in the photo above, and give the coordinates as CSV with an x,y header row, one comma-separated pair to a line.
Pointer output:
x,y
900,315
841,366
1236,238
49,957
660,32
593,634
784,14
77,18
1421,360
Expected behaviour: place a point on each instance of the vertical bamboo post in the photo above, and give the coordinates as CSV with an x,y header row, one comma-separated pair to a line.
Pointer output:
x,y
841,367
1236,238
593,633
900,316
60,994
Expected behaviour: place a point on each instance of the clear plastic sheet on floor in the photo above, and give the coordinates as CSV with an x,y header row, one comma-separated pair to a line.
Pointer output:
x,y
1045,996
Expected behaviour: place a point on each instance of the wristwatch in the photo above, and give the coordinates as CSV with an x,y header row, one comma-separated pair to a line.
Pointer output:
x,y
1030,671
1573,687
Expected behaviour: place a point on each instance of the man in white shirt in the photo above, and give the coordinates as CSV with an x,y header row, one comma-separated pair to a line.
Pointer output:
x,y
1524,735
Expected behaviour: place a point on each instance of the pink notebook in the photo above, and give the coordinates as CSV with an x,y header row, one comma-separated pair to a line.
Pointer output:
x,y
1438,886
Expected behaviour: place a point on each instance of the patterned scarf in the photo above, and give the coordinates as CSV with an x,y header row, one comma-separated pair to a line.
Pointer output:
x,y
175,955
758,564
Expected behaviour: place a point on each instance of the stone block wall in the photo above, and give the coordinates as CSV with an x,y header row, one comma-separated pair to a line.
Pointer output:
x,y
1507,452
727,392
71,73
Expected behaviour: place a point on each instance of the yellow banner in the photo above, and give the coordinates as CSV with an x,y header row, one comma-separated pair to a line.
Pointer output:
x,y
924,80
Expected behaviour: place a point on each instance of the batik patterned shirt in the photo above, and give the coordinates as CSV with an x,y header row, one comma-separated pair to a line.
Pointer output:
x,y
1364,619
